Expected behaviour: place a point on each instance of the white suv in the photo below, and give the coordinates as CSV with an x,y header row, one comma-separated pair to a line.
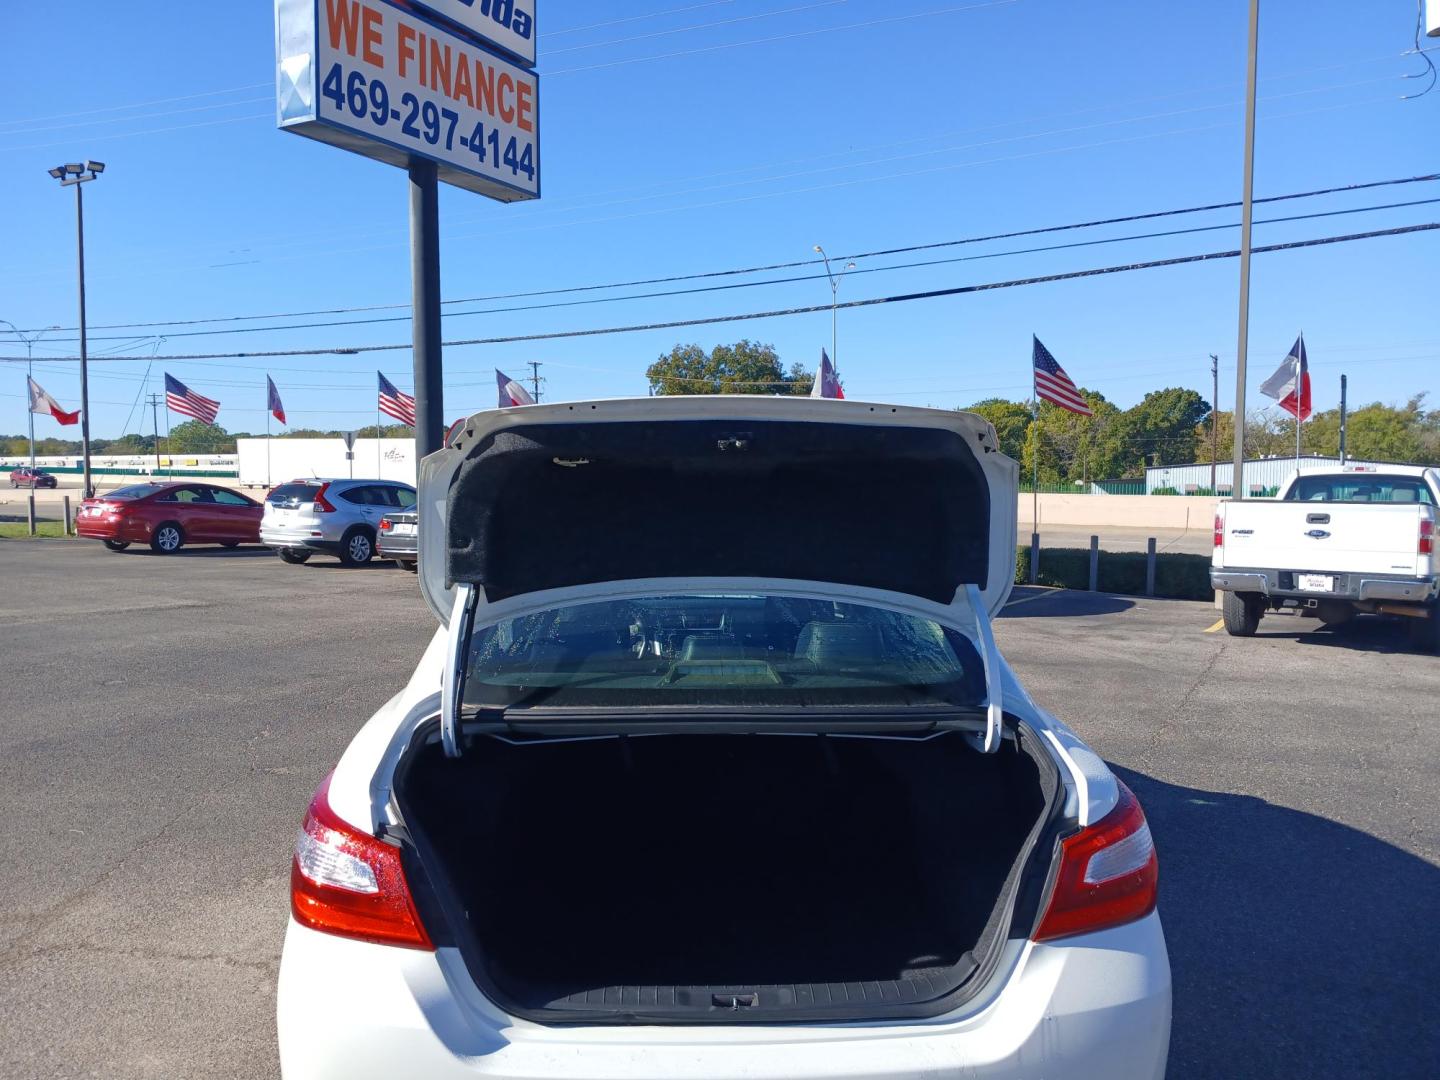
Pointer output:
x,y
337,517
713,770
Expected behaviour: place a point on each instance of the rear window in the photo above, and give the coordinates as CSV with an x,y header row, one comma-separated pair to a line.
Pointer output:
x,y
293,493
1362,488
134,491
730,649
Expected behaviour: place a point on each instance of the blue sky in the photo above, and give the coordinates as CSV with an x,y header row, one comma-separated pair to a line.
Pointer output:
x,y
687,136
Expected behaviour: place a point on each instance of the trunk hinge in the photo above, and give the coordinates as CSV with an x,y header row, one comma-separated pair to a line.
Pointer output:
x,y
457,654
990,658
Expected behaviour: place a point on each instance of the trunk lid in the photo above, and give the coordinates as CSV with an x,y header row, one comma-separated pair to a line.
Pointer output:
x,y
906,500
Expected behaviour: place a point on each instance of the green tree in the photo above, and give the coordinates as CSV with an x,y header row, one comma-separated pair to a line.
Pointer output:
x,y
1161,429
1011,420
743,368
1075,449
1379,432
193,437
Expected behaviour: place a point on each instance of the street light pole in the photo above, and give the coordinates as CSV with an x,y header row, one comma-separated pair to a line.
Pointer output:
x,y
835,280
74,175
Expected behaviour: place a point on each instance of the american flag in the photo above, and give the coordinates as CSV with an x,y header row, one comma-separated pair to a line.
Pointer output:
x,y
180,398
1053,385
394,403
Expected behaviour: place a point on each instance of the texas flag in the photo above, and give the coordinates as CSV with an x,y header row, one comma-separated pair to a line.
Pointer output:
x,y
274,404
827,382
45,405
511,392
1290,385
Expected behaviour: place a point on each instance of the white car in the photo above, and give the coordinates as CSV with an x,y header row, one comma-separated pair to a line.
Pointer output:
x,y
713,771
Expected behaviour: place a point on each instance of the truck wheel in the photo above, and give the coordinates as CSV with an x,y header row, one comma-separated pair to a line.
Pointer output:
x,y
1425,633
1242,613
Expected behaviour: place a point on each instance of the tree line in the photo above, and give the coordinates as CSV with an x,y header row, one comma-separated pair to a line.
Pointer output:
x,y
1170,426
191,437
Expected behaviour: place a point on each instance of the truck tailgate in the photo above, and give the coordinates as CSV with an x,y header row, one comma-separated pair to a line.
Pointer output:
x,y
1340,537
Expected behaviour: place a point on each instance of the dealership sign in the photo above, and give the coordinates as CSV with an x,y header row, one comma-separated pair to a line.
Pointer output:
x,y
389,83
505,24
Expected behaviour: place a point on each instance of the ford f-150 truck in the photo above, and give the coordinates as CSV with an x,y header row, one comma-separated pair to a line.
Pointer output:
x,y
1357,539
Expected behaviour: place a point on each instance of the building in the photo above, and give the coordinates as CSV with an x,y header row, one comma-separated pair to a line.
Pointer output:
x,y
1263,476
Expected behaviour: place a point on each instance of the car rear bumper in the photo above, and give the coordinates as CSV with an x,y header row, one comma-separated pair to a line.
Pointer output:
x,y
1281,584
311,539
1095,1006
133,532
404,548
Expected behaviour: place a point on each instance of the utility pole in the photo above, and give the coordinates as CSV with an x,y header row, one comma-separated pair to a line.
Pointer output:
x,y
835,280
1242,349
74,175
535,379
1214,420
1344,414
155,400
30,373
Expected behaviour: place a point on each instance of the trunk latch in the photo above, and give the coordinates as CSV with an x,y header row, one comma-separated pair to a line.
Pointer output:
x,y
735,1002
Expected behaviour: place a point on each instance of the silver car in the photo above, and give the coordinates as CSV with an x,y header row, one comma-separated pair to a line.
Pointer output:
x,y
336,517
399,539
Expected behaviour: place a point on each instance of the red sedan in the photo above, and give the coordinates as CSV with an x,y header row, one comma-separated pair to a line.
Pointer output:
x,y
168,516
25,476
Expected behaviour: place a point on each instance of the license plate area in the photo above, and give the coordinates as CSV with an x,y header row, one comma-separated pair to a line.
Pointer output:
x,y
403,529
1324,583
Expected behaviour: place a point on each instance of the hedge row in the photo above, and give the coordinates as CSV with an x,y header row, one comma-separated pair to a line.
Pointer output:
x,y
1177,576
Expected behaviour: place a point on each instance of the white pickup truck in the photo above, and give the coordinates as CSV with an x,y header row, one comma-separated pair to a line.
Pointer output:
x,y
1356,539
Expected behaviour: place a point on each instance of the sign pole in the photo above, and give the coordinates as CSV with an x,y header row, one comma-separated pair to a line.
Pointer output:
x,y
425,307
1342,418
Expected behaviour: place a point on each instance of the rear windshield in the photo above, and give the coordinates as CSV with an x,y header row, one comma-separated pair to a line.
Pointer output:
x,y
728,649
134,491
1362,488
293,493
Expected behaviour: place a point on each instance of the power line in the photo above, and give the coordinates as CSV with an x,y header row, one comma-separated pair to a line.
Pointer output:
x,y
741,271
783,280
713,320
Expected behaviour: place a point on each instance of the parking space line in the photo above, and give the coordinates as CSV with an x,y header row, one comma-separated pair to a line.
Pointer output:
x,y
1219,624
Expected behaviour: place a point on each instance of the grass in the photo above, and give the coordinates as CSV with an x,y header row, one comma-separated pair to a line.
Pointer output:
x,y
19,530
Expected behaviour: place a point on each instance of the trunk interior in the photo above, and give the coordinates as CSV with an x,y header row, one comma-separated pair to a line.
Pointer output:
x,y
728,877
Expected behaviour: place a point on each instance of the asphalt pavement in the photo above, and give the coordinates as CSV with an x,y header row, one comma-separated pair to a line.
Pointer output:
x,y
167,719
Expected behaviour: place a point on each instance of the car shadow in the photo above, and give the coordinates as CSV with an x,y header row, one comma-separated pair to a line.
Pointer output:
x,y
201,551
323,563
1364,633
1031,602
1300,947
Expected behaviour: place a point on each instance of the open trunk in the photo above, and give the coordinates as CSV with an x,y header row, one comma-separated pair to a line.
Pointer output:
x,y
685,878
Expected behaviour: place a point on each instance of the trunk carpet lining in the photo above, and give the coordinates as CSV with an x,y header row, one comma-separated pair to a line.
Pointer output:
x,y
665,871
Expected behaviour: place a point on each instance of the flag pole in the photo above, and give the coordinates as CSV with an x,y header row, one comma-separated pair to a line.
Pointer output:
x,y
1035,467
377,441
267,434
1299,399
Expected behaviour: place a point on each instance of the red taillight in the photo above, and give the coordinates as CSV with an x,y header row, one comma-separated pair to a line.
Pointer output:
x,y
322,504
1108,874
346,882
386,525
1427,538
1219,529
